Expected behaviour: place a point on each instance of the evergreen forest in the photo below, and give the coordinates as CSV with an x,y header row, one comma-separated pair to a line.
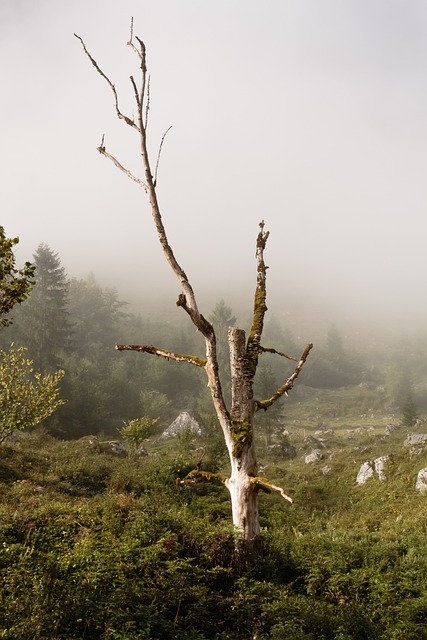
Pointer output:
x,y
98,541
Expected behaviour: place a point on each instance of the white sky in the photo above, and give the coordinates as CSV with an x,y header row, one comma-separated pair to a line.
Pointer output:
x,y
311,114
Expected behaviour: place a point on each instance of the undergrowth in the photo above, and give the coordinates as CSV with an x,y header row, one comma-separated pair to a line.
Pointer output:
x,y
98,546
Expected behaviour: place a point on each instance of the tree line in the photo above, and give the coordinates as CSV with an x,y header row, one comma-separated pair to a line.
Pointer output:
x,y
72,324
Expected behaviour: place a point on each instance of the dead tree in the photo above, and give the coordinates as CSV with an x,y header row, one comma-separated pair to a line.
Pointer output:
x,y
236,421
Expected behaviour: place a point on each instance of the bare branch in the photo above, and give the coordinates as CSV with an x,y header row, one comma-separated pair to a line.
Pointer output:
x,y
278,353
135,90
196,475
158,155
130,175
120,115
163,353
147,104
267,486
265,404
260,307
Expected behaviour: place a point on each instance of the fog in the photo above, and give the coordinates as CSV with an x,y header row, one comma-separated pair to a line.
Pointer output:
x,y
309,115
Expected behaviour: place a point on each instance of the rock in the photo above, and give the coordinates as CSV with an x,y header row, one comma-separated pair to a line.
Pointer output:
x,y
415,440
366,471
326,469
184,422
314,456
371,467
119,448
421,484
380,464
313,443
390,428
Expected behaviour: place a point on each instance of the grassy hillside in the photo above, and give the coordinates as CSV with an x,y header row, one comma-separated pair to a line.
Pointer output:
x,y
94,545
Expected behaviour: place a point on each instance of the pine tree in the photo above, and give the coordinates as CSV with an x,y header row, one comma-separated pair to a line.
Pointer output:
x,y
43,322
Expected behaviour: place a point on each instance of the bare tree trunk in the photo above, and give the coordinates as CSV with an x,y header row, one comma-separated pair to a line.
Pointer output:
x,y
243,491
237,423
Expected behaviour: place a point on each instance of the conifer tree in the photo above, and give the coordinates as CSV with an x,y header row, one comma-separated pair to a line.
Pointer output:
x,y
44,326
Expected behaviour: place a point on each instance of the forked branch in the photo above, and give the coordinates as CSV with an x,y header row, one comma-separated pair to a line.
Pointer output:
x,y
287,386
120,115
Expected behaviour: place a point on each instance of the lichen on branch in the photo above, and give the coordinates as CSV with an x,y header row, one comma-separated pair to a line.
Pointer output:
x,y
162,353
197,475
260,306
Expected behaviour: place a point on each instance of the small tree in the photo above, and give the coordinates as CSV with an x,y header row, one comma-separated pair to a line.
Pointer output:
x,y
237,420
134,432
26,397
15,284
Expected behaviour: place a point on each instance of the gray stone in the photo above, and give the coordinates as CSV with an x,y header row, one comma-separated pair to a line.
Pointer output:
x,y
390,428
415,440
379,465
314,456
118,448
421,484
372,467
366,471
184,422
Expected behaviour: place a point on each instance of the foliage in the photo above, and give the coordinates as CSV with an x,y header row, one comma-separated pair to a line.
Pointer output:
x,y
15,284
100,547
26,397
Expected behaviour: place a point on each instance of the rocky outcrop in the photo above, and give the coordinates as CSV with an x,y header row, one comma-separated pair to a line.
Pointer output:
x,y
415,440
371,468
184,422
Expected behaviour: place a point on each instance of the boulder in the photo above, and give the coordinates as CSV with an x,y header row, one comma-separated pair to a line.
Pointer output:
x,y
379,465
372,467
366,471
314,456
421,484
183,422
415,440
